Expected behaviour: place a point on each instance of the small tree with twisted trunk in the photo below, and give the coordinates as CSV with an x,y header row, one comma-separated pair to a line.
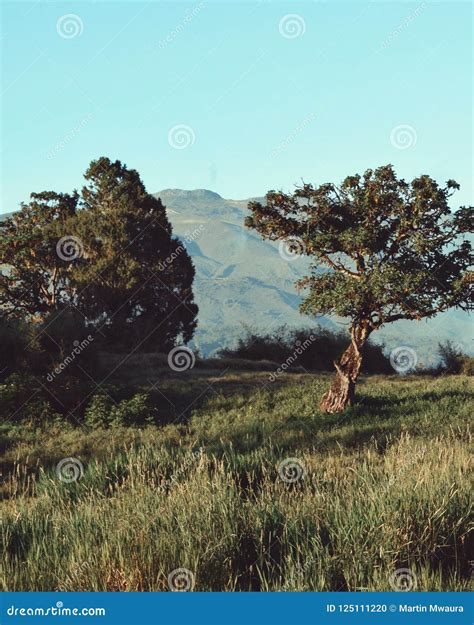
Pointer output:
x,y
392,250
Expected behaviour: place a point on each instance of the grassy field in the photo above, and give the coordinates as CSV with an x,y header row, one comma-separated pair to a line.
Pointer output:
x,y
251,489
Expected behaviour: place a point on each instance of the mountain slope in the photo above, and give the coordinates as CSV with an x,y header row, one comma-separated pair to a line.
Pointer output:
x,y
242,280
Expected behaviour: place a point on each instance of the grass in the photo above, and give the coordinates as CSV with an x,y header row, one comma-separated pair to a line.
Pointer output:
x,y
384,486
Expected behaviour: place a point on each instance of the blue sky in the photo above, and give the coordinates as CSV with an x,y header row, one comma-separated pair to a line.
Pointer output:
x,y
269,93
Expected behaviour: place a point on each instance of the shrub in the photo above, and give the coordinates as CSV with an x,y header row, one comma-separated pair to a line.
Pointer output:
x,y
97,413
467,366
103,412
312,349
134,411
453,360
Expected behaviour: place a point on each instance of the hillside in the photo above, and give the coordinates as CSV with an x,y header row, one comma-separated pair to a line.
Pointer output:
x,y
241,279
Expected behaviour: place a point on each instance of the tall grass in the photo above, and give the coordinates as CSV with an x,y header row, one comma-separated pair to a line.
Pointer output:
x,y
382,488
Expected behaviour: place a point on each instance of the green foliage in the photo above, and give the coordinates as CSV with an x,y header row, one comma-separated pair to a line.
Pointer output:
x,y
103,411
15,339
97,413
394,249
108,253
34,278
129,286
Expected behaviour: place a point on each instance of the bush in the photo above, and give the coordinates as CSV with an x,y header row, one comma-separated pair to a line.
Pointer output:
x,y
311,349
453,360
467,367
103,412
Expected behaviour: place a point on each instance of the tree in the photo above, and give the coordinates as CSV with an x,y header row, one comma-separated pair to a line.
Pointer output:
x,y
391,250
137,283
36,255
109,254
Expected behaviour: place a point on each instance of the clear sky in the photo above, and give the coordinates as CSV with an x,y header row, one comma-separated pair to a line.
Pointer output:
x,y
269,93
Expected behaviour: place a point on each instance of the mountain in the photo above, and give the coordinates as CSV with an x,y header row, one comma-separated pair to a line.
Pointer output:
x,y
242,280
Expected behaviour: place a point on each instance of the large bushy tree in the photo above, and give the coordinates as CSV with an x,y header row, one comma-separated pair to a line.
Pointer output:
x,y
137,283
109,251
392,250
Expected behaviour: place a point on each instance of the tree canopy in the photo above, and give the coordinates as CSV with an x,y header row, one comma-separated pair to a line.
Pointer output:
x,y
384,249
109,252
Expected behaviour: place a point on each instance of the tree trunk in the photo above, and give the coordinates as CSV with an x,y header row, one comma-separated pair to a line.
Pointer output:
x,y
342,391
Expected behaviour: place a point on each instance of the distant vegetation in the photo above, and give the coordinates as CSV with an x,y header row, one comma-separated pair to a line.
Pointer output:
x,y
315,349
